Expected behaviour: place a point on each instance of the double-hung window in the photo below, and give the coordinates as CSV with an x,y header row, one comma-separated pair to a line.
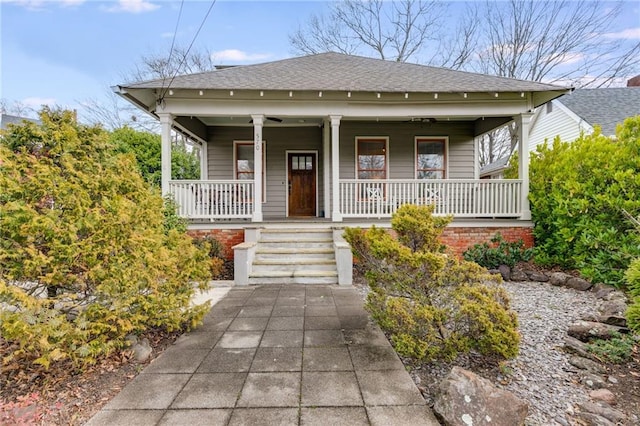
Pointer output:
x,y
371,157
431,158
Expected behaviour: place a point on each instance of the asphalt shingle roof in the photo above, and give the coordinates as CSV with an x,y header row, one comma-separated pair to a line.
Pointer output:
x,y
6,119
604,107
339,72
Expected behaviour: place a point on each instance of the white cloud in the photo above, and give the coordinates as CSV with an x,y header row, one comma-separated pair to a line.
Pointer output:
x,y
628,34
167,34
36,103
71,3
133,6
571,58
235,55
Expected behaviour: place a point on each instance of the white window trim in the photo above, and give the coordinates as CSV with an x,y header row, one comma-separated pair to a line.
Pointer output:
x,y
386,151
264,164
446,153
286,177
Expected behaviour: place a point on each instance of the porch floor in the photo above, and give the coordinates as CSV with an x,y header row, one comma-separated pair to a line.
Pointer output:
x,y
284,355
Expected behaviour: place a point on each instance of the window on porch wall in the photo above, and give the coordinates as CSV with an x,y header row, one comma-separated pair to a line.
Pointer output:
x,y
371,164
431,163
244,164
431,158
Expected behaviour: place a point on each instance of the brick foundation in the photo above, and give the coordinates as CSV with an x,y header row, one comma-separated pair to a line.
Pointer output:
x,y
459,239
228,238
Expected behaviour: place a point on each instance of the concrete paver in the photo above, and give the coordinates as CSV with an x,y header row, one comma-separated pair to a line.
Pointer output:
x,y
275,355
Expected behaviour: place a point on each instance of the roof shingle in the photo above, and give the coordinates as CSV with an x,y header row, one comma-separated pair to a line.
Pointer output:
x,y
339,72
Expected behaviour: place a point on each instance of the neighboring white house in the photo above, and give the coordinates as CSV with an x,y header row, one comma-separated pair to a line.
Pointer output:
x,y
6,119
574,113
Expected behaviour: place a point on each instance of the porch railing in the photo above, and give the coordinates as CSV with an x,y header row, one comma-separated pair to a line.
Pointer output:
x,y
213,199
457,197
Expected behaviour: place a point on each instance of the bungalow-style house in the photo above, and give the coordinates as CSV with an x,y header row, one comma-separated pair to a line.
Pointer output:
x,y
297,148
573,114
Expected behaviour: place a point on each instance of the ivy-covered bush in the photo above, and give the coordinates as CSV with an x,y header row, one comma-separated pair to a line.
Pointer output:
x,y
86,256
432,305
499,252
578,193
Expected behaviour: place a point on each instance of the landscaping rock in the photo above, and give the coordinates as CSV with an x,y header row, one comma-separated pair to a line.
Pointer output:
x,y
537,276
602,291
587,364
577,283
603,410
142,350
505,271
589,330
593,381
465,398
519,276
591,419
573,345
613,313
559,278
604,395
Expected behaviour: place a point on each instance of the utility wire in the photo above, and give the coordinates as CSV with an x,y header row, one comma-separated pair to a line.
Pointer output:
x,y
173,42
188,49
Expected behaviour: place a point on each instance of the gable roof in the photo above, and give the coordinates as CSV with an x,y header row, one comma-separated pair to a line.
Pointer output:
x,y
604,107
339,72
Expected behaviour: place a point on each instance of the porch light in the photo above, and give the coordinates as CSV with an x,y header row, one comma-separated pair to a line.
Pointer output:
x,y
378,95
435,96
201,93
320,94
464,95
406,95
348,94
170,92
290,94
495,94
261,93
522,94
230,92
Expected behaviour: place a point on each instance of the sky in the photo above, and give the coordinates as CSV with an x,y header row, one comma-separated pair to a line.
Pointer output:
x,y
64,52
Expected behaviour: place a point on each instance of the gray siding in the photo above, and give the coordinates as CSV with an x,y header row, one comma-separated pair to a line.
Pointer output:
x,y
401,146
280,139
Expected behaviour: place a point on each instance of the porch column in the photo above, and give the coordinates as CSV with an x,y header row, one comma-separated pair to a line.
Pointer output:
x,y
204,161
523,121
335,168
165,153
326,170
258,121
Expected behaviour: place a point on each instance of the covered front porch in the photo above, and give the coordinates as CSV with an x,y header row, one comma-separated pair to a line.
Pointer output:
x,y
326,170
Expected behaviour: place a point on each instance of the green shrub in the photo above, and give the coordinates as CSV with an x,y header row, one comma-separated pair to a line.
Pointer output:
x,y
617,350
215,250
499,252
432,305
633,285
85,254
578,193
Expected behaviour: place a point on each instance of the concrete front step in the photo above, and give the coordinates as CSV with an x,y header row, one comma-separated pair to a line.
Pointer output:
x,y
304,243
293,280
260,267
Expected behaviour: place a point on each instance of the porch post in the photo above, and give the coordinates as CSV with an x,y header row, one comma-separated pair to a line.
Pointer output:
x,y
204,162
258,120
523,121
335,168
165,152
326,170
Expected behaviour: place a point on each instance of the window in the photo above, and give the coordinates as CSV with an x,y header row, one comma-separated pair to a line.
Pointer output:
x,y
244,164
371,158
431,158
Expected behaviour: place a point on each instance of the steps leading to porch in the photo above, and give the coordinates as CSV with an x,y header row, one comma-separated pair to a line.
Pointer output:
x,y
294,256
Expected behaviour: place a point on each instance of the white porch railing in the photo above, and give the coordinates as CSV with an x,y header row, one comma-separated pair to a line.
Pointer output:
x,y
457,197
213,199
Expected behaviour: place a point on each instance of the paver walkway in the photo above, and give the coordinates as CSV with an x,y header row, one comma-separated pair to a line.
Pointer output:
x,y
275,355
